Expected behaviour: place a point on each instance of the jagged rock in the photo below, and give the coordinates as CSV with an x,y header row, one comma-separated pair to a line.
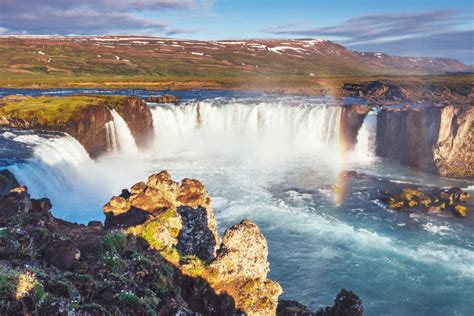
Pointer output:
x,y
195,237
346,304
243,253
292,308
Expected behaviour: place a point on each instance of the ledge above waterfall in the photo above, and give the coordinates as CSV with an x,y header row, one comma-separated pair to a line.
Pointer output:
x,y
83,117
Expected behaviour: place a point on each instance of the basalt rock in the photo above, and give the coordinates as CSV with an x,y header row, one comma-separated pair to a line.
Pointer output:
x,y
139,119
430,138
346,304
352,117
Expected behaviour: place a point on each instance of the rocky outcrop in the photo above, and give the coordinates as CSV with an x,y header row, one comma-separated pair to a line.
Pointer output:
x,y
375,90
167,98
346,304
139,119
430,138
454,151
352,117
181,225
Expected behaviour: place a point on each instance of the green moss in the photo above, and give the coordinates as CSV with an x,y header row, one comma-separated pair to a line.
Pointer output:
x,y
49,111
111,248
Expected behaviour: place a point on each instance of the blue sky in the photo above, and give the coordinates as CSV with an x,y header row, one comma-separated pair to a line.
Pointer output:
x,y
432,28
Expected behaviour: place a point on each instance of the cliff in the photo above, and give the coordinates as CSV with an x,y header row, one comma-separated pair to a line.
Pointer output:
x,y
430,138
83,117
159,253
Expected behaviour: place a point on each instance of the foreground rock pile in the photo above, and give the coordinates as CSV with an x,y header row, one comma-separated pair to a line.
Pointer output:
x,y
437,201
159,253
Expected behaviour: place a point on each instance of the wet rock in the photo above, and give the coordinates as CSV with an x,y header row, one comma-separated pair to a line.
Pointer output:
x,y
346,304
352,117
7,182
293,308
430,201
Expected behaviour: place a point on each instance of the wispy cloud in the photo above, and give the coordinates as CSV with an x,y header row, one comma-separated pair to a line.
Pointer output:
x,y
439,33
380,27
89,17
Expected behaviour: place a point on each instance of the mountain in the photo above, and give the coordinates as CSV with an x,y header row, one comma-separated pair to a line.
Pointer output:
x,y
25,56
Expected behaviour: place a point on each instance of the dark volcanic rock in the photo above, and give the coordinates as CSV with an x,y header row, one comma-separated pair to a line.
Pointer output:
x,y
375,90
167,98
7,182
346,304
195,237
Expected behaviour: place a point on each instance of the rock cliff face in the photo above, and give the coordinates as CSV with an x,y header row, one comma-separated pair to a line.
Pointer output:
x,y
139,119
88,125
434,139
351,120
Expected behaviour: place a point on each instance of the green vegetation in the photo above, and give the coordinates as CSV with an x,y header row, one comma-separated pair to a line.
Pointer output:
x,y
47,111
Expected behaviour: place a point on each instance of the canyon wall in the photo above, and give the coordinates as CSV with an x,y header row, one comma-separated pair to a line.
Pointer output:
x,y
430,138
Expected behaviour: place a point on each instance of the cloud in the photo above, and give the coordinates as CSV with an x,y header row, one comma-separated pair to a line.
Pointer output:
x,y
88,17
396,33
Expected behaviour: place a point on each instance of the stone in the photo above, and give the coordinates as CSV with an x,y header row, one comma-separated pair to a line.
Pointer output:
x,y
196,236
7,182
243,254
346,304
117,205
460,210
62,253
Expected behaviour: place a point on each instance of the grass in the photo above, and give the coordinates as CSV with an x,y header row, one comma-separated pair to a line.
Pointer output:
x,y
48,111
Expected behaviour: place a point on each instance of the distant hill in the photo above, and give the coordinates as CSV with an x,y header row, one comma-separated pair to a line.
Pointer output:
x,y
22,57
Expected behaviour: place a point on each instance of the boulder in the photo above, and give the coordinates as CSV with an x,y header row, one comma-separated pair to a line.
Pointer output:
x,y
346,304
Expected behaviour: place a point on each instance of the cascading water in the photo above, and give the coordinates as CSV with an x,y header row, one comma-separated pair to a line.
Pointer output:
x,y
111,137
120,135
367,137
55,164
263,128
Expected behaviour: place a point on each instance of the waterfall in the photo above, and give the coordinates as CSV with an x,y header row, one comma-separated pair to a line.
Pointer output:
x,y
366,138
111,137
120,136
54,166
263,127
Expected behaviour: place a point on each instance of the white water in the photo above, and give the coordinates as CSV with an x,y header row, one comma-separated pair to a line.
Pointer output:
x,y
111,137
122,138
265,131
367,137
55,165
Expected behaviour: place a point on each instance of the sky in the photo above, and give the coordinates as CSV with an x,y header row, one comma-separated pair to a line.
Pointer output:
x,y
431,28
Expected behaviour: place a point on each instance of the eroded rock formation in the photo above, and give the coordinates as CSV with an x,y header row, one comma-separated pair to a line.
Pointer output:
x,y
431,138
352,117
